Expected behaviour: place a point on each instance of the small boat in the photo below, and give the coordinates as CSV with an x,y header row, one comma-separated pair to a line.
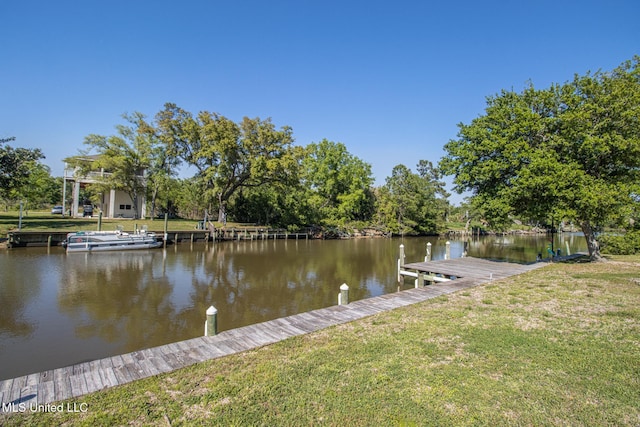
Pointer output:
x,y
98,241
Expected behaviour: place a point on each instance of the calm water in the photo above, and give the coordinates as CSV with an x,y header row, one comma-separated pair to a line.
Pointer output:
x,y
60,309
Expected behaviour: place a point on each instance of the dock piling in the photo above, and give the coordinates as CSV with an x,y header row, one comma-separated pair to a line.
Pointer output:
x,y
400,262
427,258
211,324
447,254
343,296
166,236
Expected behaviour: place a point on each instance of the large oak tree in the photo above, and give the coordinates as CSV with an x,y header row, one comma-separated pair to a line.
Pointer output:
x,y
570,151
228,156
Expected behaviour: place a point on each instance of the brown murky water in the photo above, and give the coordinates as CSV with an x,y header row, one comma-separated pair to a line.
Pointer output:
x,y
59,309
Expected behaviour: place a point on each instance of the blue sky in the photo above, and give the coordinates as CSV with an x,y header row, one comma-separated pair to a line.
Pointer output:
x,y
390,80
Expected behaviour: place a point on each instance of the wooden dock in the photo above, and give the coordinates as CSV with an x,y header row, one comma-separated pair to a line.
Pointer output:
x,y
476,269
18,239
83,378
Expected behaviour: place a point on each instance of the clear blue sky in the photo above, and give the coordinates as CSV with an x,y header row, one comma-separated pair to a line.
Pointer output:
x,y
389,79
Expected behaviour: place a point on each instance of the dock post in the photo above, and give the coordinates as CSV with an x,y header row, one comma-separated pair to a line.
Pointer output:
x,y
211,324
343,296
447,254
49,241
420,280
166,236
400,262
566,242
427,258
100,221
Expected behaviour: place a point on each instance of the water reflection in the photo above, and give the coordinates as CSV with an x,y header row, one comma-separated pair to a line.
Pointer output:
x,y
60,309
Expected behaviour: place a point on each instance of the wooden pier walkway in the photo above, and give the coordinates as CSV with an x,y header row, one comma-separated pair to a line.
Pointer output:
x,y
83,378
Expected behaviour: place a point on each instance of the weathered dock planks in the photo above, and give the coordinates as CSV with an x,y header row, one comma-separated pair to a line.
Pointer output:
x,y
80,379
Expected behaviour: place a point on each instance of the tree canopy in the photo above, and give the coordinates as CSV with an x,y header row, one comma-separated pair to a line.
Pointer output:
x,y
412,202
252,171
570,151
125,157
227,155
16,165
338,183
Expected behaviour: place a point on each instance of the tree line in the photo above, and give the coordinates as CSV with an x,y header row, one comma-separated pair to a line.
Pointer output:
x,y
566,153
248,172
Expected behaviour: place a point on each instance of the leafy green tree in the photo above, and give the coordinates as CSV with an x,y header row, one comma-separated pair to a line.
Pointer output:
x,y
186,196
40,188
432,177
228,156
16,165
124,157
162,166
338,184
570,151
275,205
409,202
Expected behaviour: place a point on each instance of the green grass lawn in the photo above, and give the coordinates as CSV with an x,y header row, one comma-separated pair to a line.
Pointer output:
x,y
556,346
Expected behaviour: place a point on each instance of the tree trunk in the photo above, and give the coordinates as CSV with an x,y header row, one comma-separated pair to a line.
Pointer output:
x,y
592,243
134,199
222,210
154,196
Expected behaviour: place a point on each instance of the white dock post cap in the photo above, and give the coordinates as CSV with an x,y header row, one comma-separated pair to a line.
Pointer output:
x,y
344,287
211,311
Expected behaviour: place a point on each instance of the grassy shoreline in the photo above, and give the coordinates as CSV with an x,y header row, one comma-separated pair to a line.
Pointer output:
x,y
556,346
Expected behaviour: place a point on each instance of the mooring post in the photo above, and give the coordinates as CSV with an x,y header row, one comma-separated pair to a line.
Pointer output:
x,y
447,254
100,221
566,243
427,258
166,236
20,219
400,262
211,324
420,280
343,296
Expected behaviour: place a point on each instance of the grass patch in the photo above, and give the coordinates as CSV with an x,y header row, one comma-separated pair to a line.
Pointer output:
x,y
513,353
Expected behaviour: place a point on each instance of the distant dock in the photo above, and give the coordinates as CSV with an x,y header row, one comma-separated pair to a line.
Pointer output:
x,y
83,378
19,239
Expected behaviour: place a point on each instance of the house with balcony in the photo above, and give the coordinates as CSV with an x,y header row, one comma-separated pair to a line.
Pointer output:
x,y
112,203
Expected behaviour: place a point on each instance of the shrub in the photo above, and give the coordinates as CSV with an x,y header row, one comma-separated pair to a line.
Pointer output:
x,y
624,244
